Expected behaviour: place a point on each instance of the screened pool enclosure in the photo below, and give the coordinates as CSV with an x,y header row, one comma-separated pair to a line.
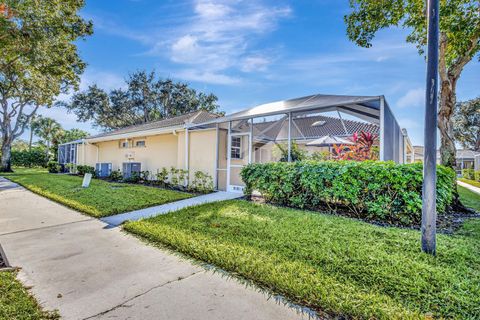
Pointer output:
x,y
281,130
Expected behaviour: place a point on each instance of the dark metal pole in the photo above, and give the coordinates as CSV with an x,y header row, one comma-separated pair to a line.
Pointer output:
x,y
429,208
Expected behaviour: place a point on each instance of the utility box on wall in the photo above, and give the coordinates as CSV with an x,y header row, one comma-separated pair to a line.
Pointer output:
x,y
129,167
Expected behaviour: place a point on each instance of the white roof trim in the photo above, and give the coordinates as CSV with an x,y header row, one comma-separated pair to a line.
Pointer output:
x,y
313,102
140,133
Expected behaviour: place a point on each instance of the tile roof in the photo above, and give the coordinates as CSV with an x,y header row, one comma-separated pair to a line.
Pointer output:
x,y
302,127
192,117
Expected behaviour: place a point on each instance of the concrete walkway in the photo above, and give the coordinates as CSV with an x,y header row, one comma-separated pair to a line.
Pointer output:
x,y
169,207
76,265
469,186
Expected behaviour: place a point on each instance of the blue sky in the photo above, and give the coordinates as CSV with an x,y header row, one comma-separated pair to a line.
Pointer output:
x,y
255,51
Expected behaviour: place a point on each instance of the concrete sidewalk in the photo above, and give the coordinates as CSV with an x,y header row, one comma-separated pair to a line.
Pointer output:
x,y
87,271
169,207
469,186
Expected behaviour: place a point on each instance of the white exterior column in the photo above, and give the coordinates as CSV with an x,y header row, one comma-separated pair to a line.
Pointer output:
x,y
250,142
382,128
229,146
186,156
217,141
289,137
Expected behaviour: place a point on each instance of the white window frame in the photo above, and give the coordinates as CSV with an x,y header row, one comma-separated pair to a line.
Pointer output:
x,y
235,147
144,143
122,142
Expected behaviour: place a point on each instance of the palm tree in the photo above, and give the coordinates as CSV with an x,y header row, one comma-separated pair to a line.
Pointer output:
x,y
32,126
48,129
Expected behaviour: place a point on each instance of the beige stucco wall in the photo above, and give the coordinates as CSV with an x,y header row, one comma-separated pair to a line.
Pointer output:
x,y
167,150
86,154
202,144
159,151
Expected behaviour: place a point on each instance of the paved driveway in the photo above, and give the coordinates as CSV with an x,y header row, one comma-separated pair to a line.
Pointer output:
x,y
87,271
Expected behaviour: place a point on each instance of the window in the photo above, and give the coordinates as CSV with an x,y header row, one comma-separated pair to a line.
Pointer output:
x,y
124,144
140,143
236,148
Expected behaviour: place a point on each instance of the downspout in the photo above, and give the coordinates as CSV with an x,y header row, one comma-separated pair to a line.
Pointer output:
x,y
84,151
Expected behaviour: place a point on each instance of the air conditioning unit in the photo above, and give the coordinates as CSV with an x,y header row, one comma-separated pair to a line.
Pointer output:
x,y
130,155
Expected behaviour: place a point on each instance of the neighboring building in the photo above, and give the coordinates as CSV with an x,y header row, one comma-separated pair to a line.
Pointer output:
x,y
466,159
221,146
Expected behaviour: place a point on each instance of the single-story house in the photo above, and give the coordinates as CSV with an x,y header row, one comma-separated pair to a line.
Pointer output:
x,y
222,145
466,159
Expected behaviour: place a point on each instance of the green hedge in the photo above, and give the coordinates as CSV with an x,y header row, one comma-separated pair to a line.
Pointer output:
x,y
29,158
468,174
373,190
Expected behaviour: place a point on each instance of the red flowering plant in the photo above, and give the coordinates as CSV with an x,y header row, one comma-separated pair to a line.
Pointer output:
x,y
362,149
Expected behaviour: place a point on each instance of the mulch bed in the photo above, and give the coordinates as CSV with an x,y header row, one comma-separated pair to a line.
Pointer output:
x,y
446,223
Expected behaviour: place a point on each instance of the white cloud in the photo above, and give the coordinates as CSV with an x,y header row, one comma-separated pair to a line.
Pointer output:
x,y
255,63
207,77
413,98
219,38
211,10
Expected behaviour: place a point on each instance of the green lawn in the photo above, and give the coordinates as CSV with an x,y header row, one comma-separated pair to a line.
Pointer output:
x,y
17,303
471,182
329,263
469,198
100,199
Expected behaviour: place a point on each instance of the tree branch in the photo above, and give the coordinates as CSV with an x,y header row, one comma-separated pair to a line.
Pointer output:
x,y
24,125
442,64
456,68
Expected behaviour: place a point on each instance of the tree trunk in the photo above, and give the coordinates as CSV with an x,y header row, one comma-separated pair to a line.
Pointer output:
x,y
47,152
31,138
477,143
445,123
6,154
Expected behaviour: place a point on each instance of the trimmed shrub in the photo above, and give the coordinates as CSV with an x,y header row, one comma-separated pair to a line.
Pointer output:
x,y
162,176
202,182
468,174
53,167
82,169
371,190
115,175
477,175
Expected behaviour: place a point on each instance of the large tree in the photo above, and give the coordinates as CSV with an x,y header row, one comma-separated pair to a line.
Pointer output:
x,y
145,98
38,60
459,43
467,124
72,135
